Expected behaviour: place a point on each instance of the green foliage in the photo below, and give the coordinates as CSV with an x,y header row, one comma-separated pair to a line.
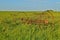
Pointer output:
x,y
12,28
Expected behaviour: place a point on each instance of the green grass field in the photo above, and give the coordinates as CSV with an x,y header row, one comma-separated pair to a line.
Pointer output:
x,y
13,28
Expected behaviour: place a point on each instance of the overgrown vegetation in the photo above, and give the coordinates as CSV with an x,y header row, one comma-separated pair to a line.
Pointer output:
x,y
15,25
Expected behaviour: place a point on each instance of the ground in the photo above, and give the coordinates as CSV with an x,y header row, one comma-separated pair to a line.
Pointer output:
x,y
13,28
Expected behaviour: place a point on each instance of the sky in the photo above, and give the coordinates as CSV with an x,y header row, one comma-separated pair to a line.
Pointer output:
x,y
29,5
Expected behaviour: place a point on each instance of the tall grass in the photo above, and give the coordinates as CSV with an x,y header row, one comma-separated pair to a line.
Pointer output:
x,y
12,28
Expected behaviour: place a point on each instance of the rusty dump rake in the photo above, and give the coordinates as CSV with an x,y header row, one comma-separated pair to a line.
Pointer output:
x,y
44,18
41,18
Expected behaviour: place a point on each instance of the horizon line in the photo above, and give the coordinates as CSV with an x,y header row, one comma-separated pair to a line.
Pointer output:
x,y
29,10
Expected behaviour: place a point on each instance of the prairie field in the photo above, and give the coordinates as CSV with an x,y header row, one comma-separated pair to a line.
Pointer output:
x,y
30,25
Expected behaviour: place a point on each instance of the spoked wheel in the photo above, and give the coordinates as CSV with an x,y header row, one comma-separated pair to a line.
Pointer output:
x,y
45,18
